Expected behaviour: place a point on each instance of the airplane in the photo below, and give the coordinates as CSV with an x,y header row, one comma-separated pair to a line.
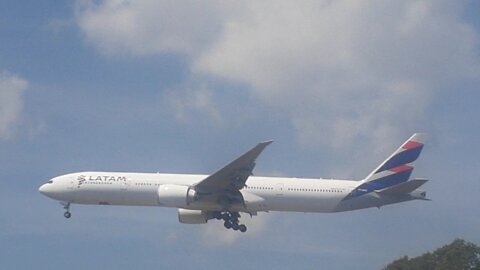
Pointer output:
x,y
233,189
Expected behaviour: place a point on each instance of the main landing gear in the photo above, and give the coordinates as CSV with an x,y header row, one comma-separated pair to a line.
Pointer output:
x,y
67,213
231,220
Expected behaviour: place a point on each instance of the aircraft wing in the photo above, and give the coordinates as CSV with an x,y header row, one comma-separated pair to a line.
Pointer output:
x,y
233,176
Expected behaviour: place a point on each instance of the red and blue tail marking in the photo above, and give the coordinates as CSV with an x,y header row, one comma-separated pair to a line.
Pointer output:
x,y
394,170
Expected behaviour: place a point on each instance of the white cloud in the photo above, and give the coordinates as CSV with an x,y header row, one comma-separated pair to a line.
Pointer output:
x,y
145,27
193,103
345,69
341,70
11,103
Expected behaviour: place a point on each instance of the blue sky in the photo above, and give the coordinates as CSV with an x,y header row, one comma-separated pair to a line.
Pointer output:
x,y
185,87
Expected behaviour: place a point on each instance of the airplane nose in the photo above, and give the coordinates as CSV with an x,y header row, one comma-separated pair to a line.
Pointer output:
x,y
43,189
55,190
47,190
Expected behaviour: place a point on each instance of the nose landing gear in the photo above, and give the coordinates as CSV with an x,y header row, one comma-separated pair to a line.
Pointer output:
x,y
67,213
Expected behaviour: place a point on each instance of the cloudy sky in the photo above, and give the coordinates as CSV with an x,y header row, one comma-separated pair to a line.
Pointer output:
x,y
185,86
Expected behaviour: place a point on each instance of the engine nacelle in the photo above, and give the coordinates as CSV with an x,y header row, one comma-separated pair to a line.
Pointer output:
x,y
191,216
176,195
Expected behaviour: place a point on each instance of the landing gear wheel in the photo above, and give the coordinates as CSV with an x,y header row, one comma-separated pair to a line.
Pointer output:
x,y
217,215
231,220
234,217
66,206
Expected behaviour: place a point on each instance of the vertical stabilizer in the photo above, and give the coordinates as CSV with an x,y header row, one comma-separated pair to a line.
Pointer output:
x,y
399,166
394,170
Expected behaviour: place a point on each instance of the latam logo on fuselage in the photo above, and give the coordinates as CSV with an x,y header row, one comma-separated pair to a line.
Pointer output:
x,y
104,178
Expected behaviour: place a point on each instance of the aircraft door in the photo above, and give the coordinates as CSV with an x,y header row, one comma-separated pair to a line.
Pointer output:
x,y
279,189
71,184
125,185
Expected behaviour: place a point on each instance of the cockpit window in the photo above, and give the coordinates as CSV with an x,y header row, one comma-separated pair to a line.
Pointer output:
x,y
50,182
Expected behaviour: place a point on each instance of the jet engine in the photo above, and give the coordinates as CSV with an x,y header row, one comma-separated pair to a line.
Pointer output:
x,y
191,216
176,195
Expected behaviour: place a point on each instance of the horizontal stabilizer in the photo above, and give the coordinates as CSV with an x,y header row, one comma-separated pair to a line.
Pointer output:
x,y
403,188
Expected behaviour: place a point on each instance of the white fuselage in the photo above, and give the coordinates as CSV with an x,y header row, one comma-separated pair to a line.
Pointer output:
x,y
232,190
260,193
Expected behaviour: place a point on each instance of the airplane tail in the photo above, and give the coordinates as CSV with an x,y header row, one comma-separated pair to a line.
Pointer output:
x,y
395,170
398,167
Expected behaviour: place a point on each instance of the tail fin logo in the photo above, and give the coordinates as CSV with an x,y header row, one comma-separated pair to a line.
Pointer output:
x,y
394,170
406,154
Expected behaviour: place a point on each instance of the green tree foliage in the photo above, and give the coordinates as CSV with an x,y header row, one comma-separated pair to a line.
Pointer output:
x,y
458,255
